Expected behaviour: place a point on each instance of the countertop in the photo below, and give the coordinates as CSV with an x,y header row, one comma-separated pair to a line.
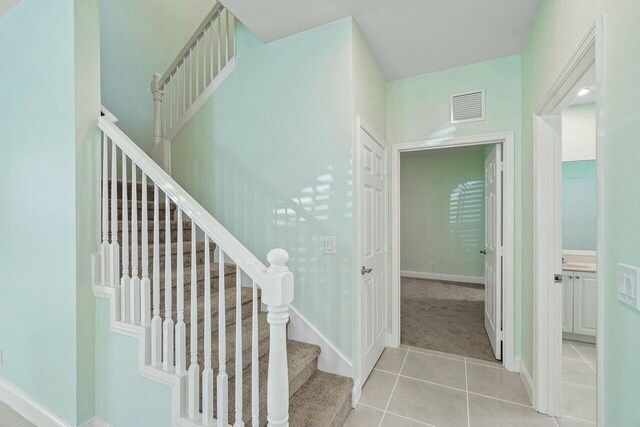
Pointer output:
x,y
579,266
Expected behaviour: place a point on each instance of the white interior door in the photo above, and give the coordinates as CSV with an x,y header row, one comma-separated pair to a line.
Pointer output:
x,y
372,275
493,249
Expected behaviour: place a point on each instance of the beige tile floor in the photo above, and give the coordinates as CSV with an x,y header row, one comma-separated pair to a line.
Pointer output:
x,y
578,383
416,387
10,418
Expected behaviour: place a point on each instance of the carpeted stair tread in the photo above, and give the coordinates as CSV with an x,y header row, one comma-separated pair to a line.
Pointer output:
x,y
323,401
230,307
229,277
263,344
302,362
186,255
150,209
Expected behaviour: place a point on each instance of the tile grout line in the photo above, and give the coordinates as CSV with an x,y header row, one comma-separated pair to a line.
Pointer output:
x,y
580,385
394,386
463,358
583,358
466,386
454,388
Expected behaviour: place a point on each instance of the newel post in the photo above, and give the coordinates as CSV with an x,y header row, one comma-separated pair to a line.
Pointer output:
x,y
157,93
277,295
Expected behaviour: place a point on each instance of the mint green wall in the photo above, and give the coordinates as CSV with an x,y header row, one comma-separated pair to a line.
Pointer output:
x,y
418,109
442,212
579,205
139,38
123,397
269,155
556,32
48,127
87,98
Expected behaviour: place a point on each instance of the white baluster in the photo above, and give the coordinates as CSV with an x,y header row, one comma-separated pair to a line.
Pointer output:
x,y
278,294
255,369
184,86
211,51
239,422
225,40
207,374
197,68
190,76
168,326
105,248
156,322
223,379
181,347
134,303
194,369
232,34
217,45
125,281
114,259
145,283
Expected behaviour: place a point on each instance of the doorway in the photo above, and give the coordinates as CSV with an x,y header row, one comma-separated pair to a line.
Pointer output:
x,y
568,284
498,313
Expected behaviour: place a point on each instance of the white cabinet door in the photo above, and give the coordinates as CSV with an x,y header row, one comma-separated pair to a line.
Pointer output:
x,y
567,302
585,306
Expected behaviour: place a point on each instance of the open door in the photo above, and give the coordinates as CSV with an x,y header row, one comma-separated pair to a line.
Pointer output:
x,y
372,272
493,249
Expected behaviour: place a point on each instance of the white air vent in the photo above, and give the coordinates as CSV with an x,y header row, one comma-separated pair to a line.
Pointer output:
x,y
467,107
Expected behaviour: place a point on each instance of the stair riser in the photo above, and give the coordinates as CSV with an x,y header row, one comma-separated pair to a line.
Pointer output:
x,y
150,214
229,281
186,236
138,186
186,256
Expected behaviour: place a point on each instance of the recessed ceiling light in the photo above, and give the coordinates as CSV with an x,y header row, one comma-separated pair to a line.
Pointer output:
x,y
583,92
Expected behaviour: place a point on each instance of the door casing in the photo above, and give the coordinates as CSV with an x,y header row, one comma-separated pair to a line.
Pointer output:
x,y
506,139
547,238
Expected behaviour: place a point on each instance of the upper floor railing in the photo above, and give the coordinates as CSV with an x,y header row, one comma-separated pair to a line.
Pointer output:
x,y
192,76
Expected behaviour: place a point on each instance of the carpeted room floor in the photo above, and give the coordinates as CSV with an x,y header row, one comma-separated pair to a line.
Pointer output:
x,y
444,316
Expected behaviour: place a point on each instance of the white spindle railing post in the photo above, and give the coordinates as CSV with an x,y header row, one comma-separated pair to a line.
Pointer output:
x,y
158,135
145,283
180,326
105,249
168,326
156,322
238,422
194,369
114,259
207,374
223,379
134,303
277,295
125,281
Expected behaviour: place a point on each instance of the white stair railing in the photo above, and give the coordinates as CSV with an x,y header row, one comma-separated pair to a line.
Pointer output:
x,y
191,77
138,301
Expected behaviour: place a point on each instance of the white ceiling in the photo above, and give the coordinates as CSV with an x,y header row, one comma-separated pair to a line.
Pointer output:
x,y
407,37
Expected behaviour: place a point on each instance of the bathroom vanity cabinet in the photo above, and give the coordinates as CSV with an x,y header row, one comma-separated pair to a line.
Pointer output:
x,y
579,303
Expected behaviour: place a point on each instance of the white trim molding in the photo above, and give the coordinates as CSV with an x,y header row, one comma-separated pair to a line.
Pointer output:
x,y
330,358
442,276
96,422
525,377
26,406
547,242
508,305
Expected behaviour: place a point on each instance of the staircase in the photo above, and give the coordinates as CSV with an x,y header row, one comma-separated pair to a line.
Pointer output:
x,y
211,319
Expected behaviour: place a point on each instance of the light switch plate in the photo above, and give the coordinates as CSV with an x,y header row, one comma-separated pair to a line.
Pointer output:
x,y
628,282
330,245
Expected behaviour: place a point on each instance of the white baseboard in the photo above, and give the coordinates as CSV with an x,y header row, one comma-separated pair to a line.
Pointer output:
x,y
356,393
24,404
526,380
330,359
442,276
96,422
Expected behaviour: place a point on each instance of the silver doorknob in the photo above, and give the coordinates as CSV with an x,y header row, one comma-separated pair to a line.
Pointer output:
x,y
364,271
483,252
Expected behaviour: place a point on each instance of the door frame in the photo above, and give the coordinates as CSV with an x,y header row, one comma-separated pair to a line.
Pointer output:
x,y
547,239
508,218
361,124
